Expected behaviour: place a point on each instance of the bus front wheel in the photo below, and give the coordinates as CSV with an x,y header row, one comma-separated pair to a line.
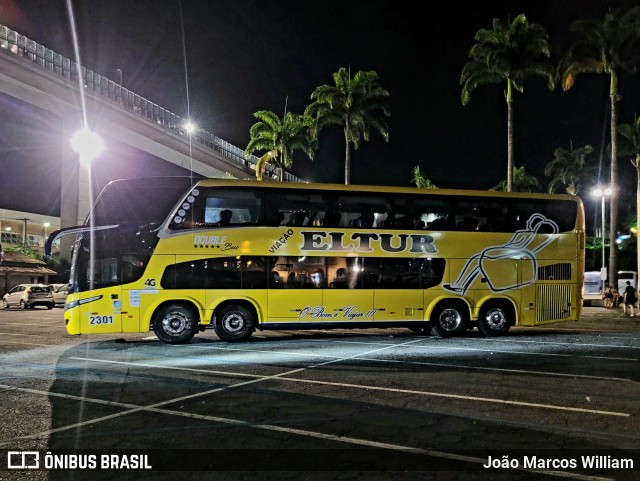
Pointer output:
x,y
175,324
495,320
234,323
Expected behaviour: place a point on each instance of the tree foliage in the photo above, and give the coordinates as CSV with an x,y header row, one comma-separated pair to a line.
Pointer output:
x,y
569,169
420,180
507,53
605,47
280,138
522,182
358,104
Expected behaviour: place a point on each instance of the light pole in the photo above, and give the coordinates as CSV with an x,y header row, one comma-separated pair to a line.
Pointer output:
x,y
88,145
603,192
119,70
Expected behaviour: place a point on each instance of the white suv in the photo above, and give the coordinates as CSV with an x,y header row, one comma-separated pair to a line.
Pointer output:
x,y
28,295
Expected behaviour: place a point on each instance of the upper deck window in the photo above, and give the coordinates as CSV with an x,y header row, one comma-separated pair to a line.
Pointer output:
x,y
218,207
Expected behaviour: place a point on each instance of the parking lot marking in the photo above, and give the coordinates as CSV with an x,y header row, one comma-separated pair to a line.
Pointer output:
x,y
3,341
564,343
16,334
284,377
190,396
271,427
473,349
43,324
459,366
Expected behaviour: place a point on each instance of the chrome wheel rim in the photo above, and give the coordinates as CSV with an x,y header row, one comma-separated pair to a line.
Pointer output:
x,y
175,323
450,319
233,323
496,319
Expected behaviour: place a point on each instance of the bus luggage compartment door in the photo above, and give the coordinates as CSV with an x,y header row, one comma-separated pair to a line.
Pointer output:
x,y
295,306
398,305
348,306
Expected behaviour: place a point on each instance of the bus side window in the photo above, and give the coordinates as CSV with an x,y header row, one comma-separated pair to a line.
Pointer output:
x,y
297,218
332,219
340,281
275,281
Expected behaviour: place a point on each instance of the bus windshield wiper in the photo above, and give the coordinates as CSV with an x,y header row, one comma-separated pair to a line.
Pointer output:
x,y
78,229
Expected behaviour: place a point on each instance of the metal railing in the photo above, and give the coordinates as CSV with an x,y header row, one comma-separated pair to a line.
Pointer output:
x,y
12,42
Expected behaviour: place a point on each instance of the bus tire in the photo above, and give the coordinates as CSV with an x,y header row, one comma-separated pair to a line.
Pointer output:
x,y
495,319
234,323
449,319
175,324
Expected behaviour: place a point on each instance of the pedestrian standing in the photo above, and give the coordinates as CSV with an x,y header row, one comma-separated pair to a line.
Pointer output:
x,y
629,299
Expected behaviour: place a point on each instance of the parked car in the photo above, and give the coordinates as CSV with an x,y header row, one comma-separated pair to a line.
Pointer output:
x,y
28,295
60,293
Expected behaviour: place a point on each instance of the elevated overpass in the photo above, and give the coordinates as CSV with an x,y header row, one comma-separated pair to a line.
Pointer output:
x,y
49,81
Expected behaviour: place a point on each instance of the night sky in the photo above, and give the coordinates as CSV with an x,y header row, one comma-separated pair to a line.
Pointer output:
x,y
249,55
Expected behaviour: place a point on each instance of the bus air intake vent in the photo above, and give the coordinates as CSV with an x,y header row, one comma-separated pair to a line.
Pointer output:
x,y
555,272
553,302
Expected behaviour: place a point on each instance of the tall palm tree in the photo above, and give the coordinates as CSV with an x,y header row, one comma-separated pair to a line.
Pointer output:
x,y
357,104
522,182
606,47
628,139
509,52
279,137
420,180
568,169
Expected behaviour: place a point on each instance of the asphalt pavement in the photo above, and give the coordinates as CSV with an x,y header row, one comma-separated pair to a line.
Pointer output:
x,y
322,405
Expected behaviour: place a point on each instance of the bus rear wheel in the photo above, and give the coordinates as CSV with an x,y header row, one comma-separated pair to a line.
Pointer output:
x,y
175,324
449,320
234,323
495,320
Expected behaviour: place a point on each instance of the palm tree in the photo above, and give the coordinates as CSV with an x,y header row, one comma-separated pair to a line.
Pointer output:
x,y
568,169
605,47
522,182
628,139
357,104
279,137
509,53
420,180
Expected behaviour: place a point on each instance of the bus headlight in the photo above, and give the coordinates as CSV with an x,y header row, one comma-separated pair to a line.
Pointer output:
x,y
72,304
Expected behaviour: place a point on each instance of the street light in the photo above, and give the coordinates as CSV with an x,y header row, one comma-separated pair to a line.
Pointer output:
x,y
190,127
603,192
87,144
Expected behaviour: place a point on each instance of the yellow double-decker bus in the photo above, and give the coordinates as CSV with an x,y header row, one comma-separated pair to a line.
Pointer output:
x,y
238,256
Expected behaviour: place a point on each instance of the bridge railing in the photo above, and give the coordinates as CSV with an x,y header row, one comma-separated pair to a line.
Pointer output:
x,y
12,42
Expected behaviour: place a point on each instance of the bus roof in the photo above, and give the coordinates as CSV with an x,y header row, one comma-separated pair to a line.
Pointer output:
x,y
380,188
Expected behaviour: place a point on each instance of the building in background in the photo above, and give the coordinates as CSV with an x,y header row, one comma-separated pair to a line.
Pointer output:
x,y
25,228
18,268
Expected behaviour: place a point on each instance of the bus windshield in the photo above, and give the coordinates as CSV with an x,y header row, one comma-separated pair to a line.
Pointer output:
x,y
146,200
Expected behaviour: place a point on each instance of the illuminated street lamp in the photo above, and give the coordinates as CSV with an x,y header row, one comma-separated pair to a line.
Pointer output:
x,y
87,144
603,192
190,127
